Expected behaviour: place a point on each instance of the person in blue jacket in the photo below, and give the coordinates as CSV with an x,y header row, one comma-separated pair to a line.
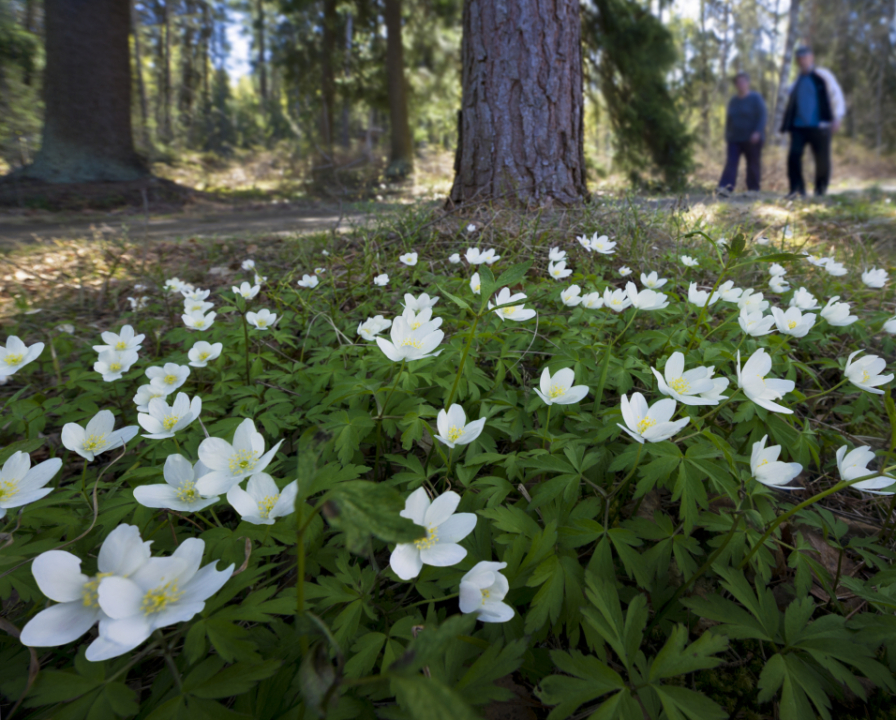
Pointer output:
x,y
815,110
744,133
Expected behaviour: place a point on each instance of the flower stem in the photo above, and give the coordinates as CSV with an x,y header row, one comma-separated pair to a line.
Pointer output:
x,y
463,359
829,390
246,336
624,484
433,600
547,430
627,326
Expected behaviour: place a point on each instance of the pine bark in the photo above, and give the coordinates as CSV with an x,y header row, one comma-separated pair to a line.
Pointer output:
x,y
521,119
87,80
138,71
401,154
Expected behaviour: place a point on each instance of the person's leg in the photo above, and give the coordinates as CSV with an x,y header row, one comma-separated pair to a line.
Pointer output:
x,y
754,165
795,161
729,174
821,150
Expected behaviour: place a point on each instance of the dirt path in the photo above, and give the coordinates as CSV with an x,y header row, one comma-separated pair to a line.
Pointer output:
x,y
286,220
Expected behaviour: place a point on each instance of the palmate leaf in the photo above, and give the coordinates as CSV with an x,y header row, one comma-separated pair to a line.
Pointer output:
x,y
680,703
676,659
361,508
590,679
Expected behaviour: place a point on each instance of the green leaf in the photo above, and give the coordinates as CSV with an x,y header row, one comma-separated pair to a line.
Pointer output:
x,y
460,302
234,680
121,698
674,660
679,702
428,699
513,274
25,446
349,428
361,508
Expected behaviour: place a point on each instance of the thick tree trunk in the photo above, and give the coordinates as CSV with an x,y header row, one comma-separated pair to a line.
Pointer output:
x,y
401,154
521,119
166,77
793,25
138,68
262,66
328,90
87,81
346,105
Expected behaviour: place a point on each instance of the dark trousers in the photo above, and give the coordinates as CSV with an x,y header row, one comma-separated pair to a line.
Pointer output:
x,y
819,139
753,153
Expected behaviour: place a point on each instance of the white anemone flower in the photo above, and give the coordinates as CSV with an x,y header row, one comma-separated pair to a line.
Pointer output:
x,y
262,502
145,393
752,301
17,355
836,269
248,264
645,299
804,300
757,387
317,271
653,281
777,270
556,254
308,281
602,245
454,429
416,320
422,302
650,424
875,277
691,387
163,591
559,271
196,306
572,296
482,591
112,364
701,298
261,320
260,279
793,322
818,261
198,321
454,258
409,259
890,326
592,301
767,469
372,327
625,271
729,293
246,290
59,577
168,377
138,303
163,421
854,464
518,313
381,280
229,463
202,353
865,373
177,285
489,257
755,324
763,240
408,344
444,529
21,484
837,313
616,300
558,389
97,437
471,228
196,294
178,492
121,341
476,284
778,284
475,256
688,261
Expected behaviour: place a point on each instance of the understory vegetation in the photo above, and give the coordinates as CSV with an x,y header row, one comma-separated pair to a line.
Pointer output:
x,y
454,466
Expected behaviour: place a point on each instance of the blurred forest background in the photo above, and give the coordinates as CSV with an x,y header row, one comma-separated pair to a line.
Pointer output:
x,y
283,95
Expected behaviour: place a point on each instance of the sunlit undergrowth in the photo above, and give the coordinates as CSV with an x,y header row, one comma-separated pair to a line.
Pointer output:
x,y
603,524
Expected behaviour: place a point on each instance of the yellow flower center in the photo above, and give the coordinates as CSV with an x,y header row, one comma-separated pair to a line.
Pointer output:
x,y
555,272
556,391
764,462
510,310
455,432
411,342
865,376
93,442
90,591
680,385
159,598
115,367
477,287
431,539
8,488
187,492
199,323
170,421
265,506
121,345
792,324
170,379
14,359
203,356
646,424
616,301
415,325
486,594
243,461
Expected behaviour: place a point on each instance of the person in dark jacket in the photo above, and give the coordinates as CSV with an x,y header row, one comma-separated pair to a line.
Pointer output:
x,y
815,110
744,133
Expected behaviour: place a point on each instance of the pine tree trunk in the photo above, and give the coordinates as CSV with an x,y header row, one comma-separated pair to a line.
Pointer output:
x,y
262,68
138,71
521,119
789,43
401,155
87,81
166,77
328,90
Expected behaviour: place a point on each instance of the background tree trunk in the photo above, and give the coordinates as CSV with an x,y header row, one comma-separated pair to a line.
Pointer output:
x,y
521,120
87,123
138,71
262,67
328,89
401,154
793,26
